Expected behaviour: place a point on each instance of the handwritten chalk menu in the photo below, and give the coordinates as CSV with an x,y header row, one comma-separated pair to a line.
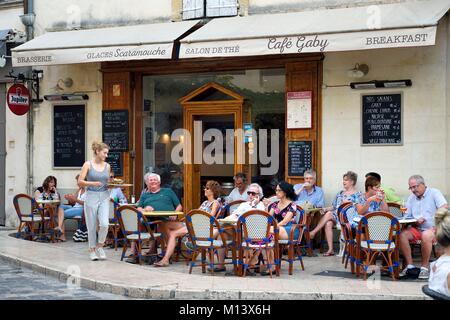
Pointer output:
x,y
115,161
381,119
300,156
69,136
115,129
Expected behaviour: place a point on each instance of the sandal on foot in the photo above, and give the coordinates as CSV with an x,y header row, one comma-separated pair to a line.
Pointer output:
x,y
328,254
161,264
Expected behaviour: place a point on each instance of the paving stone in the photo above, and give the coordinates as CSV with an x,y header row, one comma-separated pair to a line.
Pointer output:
x,y
23,284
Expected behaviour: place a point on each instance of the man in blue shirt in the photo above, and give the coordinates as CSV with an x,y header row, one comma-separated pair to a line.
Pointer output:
x,y
308,191
421,205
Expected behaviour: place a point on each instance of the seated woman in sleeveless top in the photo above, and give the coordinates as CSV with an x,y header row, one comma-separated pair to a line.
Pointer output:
x,y
212,206
212,193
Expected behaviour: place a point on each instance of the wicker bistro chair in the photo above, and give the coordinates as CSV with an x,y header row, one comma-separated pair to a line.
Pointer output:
x,y
394,209
380,231
131,223
114,227
346,213
294,246
253,234
201,226
225,209
29,214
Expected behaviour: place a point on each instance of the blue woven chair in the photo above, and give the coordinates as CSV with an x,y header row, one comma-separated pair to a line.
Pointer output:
x,y
135,228
29,214
380,231
201,225
434,294
253,235
225,209
346,212
294,246
114,226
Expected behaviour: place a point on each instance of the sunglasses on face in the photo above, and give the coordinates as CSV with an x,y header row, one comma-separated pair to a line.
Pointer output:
x,y
251,193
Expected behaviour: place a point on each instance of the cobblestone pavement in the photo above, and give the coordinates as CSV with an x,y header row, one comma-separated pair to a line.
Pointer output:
x,y
24,284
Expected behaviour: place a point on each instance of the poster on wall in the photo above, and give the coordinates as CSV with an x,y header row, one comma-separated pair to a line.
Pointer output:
x,y
299,110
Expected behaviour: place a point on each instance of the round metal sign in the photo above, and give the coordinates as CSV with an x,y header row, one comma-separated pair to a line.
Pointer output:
x,y
18,99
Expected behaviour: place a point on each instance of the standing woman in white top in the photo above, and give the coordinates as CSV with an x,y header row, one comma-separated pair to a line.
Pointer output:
x,y
94,177
440,270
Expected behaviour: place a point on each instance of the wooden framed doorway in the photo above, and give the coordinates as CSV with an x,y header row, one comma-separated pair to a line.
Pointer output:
x,y
211,103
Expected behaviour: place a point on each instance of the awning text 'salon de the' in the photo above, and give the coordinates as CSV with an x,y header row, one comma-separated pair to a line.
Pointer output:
x,y
405,24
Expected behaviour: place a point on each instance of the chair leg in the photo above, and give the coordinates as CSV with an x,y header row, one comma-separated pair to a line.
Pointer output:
x,y
139,251
203,260
115,233
233,256
300,257
290,257
124,250
345,255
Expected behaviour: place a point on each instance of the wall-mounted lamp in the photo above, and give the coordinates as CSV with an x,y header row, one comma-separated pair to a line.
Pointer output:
x,y
3,60
63,83
359,71
66,97
381,84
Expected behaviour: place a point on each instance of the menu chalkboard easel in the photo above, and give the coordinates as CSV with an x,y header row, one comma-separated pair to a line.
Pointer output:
x,y
115,129
69,136
115,161
300,155
382,119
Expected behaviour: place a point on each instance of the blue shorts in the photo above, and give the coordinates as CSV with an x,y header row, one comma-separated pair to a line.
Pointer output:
x,y
65,206
73,212
288,228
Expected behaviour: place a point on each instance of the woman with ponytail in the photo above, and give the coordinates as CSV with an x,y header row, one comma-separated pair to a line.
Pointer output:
x,y
94,177
440,270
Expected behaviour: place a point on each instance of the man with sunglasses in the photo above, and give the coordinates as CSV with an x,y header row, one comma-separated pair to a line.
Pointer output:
x,y
255,194
421,205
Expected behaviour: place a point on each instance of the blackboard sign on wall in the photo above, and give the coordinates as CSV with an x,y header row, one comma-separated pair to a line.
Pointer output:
x,y
300,155
69,136
382,119
115,129
115,161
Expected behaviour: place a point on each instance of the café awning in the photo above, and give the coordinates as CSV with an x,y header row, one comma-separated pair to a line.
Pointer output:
x,y
404,24
149,41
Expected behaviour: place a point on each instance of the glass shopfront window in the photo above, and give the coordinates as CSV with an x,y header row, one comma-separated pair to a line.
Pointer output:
x,y
264,92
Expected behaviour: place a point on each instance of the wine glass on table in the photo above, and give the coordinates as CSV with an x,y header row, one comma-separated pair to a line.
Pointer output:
x,y
403,207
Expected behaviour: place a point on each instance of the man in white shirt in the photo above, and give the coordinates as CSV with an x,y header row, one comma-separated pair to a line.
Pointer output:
x,y
240,190
255,194
254,202
421,205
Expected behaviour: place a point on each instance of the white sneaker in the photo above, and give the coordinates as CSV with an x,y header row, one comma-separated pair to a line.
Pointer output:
x,y
101,253
424,274
93,256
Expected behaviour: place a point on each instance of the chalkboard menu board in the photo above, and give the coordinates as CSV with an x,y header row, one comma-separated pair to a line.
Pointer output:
x,y
69,141
115,129
115,161
300,157
382,119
